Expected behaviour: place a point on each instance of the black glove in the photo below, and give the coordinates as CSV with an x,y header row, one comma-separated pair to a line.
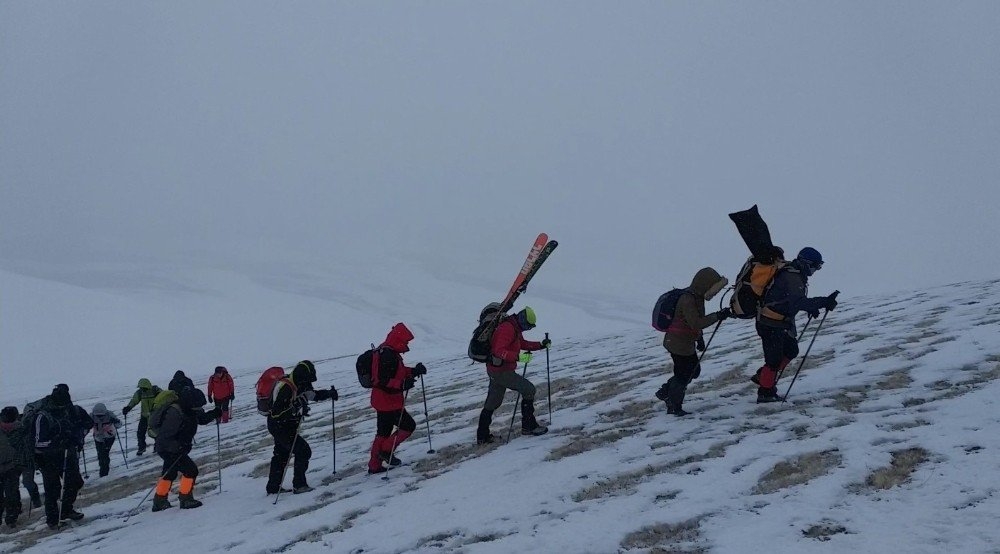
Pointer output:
x,y
408,383
813,313
831,303
125,410
419,370
546,343
333,394
700,345
305,410
724,314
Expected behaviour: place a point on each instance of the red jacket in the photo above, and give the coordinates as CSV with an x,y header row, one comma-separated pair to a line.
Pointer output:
x,y
221,386
507,344
388,371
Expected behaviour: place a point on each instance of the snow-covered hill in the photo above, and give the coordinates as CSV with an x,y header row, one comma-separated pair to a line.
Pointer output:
x,y
888,443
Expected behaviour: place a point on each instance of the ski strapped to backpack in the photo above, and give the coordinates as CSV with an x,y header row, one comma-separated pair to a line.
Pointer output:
x,y
365,367
266,385
665,307
491,315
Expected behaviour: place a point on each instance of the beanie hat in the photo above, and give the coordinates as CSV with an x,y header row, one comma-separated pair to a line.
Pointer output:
x,y
60,397
8,414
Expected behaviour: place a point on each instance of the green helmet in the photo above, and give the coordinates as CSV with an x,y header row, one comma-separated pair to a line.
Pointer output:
x,y
526,318
145,384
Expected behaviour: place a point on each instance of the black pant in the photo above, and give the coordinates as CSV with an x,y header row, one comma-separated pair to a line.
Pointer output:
x,y
61,479
141,436
28,480
385,421
287,442
104,454
174,463
10,495
685,368
778,343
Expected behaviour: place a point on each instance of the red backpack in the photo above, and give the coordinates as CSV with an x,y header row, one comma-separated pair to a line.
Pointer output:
x,y
265,388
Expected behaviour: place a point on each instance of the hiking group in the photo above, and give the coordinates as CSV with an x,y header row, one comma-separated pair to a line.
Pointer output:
x,y
49,435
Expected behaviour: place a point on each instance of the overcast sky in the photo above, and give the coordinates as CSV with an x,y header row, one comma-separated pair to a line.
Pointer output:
x,y
450,133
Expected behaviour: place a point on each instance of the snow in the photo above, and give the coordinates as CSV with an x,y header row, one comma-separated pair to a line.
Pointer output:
x,y
887,374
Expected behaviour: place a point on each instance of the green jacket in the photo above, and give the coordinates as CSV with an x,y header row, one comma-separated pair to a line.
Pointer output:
x,y
145,397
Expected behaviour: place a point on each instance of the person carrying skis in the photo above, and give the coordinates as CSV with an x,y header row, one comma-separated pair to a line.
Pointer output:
x,y
221,390
105,431
506,346
391,378
289,404
776,319
179,382
58,438
143,396
14,456
685,335
175,425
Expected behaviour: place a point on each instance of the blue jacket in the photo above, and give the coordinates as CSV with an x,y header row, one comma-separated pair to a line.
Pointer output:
x,y
787,297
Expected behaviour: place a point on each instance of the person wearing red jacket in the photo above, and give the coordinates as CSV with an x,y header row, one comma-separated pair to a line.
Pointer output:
x,y
390,379
506,348
221,390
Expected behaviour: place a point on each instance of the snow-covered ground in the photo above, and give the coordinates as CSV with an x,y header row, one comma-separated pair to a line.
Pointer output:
x,y
887,444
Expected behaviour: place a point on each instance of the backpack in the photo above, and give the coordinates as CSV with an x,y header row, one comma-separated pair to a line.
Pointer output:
x,y
265,388
752,283
663,310
479,345
55,429
364,366
158,410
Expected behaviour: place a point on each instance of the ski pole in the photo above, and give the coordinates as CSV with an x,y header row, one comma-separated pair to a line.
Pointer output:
x,y
125,415
162,475
333,433
806,355
124,458
395,436
548,378
83,449
287,461
218,452
427,417
516,402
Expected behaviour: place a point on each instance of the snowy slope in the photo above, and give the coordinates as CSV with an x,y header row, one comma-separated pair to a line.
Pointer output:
x,y
888,443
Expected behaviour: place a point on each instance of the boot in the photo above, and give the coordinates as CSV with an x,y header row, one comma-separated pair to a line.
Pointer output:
x,y
529,426
161,503
188,501
483,435
69,513
389,460
302,489
766,395
662,393
36,501
756,377
675,397
676,410
282,490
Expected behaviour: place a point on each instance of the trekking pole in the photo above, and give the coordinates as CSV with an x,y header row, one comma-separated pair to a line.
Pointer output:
x,y
218,452
126,434
166,471
124,458
86,473
709,343
427,417
285,469
806,355
516,402
548,379
333,431
395,436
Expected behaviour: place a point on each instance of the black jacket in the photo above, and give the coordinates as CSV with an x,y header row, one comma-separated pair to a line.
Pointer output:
x,y
176,432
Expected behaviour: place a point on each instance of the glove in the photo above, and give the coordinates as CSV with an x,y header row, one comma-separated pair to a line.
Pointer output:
x,y
125,410
724,314
831,303
546,343
305,410
524,358
333,394
408,383
700,345
813,313
419,370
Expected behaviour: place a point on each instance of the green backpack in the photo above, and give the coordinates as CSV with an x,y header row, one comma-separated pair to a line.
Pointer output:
x,y
161,403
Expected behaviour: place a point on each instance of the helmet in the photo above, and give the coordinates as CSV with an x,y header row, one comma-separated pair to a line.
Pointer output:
x,y
811,259
526,318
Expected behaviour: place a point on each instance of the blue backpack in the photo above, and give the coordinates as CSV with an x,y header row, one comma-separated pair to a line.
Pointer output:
x,y
663,310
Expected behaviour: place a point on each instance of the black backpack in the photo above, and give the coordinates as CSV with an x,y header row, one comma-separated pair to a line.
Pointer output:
x,y
479,345
364,365
663,310
55,429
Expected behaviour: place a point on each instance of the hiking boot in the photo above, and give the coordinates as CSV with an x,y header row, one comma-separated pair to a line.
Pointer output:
x,y
488,439
55,526
161,503
765,396
36,501
70,513
140,452
302,489
12,523
379,470
188,501
536,431
281,490
676,410
662,393
388,460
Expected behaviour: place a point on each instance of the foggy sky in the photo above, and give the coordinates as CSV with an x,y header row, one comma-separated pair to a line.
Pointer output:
x,y
449,133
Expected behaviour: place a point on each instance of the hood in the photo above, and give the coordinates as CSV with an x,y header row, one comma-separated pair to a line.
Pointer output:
x,y
399,338
100,410
304,373
145,384
707,283
180,375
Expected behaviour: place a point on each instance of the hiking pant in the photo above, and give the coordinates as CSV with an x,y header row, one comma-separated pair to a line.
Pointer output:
x,y
10,495
780,347
28,480
174,463
500,381
287,442
685,368
104,454
61,479
223,406
141,434
387,436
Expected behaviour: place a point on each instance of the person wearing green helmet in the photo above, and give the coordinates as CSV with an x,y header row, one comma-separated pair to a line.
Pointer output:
x,y
143,396
507,348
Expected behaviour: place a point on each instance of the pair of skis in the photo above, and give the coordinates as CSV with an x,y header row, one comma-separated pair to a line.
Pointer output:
x,y
539,252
